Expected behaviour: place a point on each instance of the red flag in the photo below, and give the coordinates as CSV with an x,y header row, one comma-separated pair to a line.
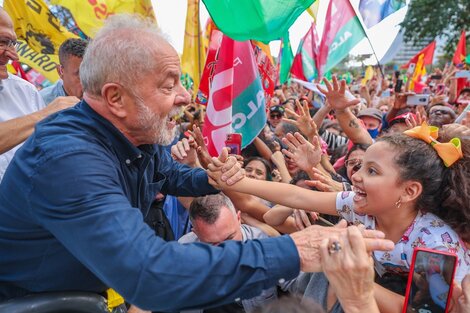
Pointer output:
x,y
209,67
460,52
304,66
235,99
266,69
428,52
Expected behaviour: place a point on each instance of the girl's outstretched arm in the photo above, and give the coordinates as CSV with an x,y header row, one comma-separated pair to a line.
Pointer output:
x,y
279,193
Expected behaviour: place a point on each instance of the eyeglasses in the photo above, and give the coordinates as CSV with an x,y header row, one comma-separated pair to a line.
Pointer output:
x,y
275,116
353,163
8,43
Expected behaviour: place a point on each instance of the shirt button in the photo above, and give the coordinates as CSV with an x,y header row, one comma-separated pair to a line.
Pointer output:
x,y
237,300
281,281
128,161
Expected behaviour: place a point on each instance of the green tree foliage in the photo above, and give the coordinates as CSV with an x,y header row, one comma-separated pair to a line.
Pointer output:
x,y
437,18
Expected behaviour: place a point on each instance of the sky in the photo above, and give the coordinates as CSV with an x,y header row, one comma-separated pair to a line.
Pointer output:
x,y
171,15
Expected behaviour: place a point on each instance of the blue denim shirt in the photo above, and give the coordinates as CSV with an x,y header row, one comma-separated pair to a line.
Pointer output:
x,y
72,203
48,94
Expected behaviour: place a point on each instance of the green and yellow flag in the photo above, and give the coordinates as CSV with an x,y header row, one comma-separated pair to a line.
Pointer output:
x,y
194,56
41,35
90,15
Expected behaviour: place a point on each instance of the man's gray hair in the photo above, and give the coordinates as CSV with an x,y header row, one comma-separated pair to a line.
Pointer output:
x,y
121,52
208,208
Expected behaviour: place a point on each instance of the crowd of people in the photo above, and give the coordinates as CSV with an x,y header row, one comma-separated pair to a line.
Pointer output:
x,y
106,182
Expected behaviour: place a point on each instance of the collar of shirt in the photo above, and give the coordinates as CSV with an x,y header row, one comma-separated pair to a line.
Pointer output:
x,y
127,152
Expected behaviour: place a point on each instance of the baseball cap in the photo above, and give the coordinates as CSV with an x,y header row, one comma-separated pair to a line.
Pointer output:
x,y
401,118
277,108
371,112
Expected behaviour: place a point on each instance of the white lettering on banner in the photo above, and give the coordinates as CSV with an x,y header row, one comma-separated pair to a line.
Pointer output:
x,y
224,116
335,45
237,61
240,119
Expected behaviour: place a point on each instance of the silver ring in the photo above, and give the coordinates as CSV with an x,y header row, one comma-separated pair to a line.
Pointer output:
x,y
334,247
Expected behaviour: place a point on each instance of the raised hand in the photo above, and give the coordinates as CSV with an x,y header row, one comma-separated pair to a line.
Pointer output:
x,y
413,122
336,94
303,120
302,152
201,149
323,182
184,151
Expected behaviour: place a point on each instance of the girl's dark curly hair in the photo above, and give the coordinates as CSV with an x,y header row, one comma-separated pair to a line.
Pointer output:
x,y
455,207
418,161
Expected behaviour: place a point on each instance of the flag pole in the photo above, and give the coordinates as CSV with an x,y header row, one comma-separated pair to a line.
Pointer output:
x,y
368,39
198,43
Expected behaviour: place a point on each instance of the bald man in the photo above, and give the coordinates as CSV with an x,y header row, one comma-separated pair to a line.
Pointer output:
x,y
21,105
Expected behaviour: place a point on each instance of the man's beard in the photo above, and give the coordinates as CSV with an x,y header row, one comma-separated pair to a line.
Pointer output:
x,y
154,125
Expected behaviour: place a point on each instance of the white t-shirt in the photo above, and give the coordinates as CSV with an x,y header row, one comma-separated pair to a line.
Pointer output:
x,y
17,98
426,231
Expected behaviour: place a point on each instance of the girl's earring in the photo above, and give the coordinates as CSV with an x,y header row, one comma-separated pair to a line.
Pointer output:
x,y
398,203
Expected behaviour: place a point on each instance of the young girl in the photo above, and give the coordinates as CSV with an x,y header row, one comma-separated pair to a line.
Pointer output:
x,y
398,190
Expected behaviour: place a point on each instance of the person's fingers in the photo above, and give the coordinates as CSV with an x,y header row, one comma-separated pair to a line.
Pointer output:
x,y
319,185
353,102
223,155
316,142
342,86
372,233
230,169
356,241
301,139
328,85
294,139
313,216
306,109
289,154
239,175
324,253
466,288
341,224
378,244
304,217
288,141
298,220
299,107
335,83
292,113
181,149
289,121
322,90
175,153
408,122
185,143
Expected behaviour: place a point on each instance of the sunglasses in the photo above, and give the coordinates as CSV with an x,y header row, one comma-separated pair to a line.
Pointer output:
x,y
275,116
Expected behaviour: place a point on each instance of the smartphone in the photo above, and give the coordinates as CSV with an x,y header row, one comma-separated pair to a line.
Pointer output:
x,y
417,100
398,85
411,68
463,74
355,88
234,142
436,76
430,280
386,93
